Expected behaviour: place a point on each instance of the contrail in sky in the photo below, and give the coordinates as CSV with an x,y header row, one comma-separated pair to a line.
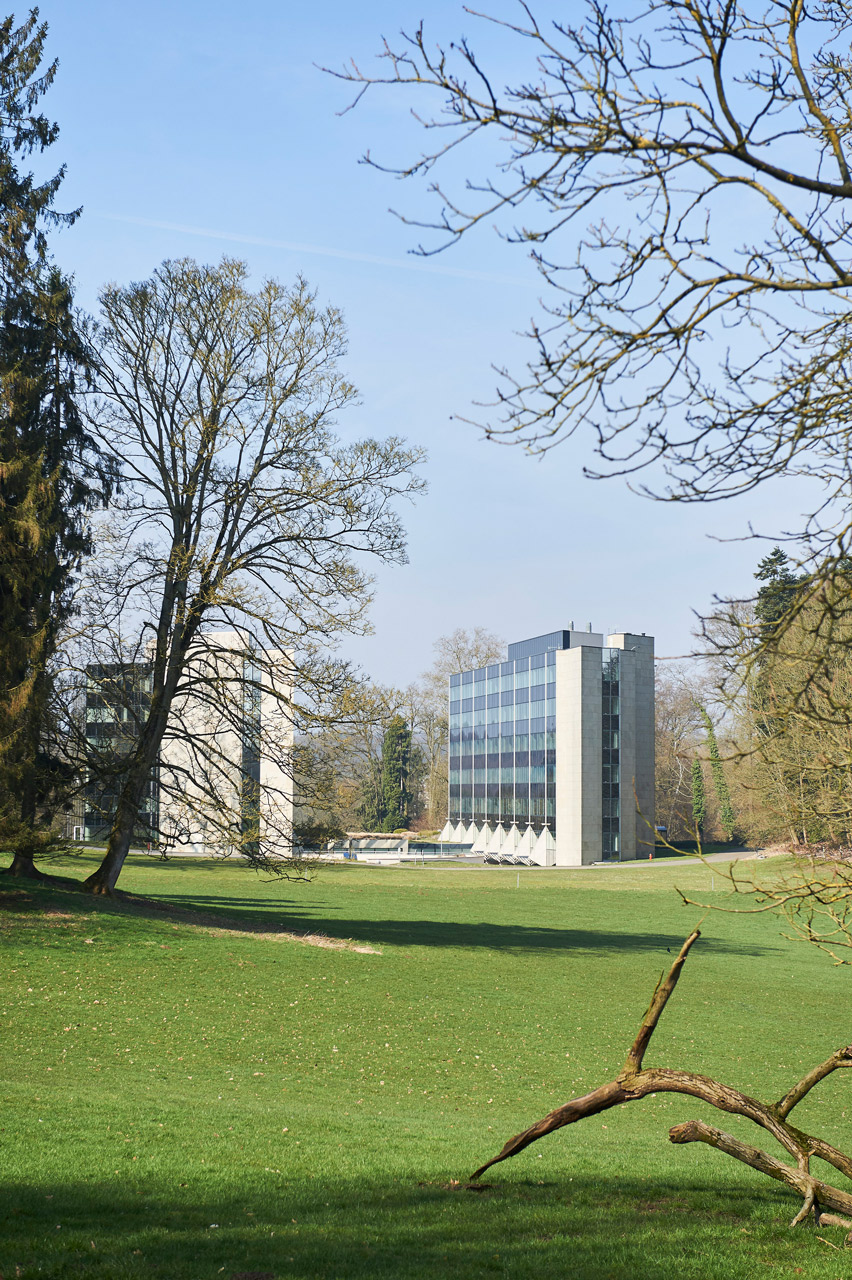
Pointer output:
x,y
235,237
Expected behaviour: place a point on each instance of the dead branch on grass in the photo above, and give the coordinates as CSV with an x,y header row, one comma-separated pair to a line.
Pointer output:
x,y
635,1081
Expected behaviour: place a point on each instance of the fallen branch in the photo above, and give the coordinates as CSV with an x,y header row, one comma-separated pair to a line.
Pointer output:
x,y
635,1081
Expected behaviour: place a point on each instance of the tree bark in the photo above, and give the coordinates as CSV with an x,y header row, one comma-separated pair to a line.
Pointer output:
x,y
634,1082
103,880
811,1189
23,865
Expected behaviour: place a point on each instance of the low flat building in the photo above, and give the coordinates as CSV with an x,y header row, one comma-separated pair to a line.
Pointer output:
x,y
551,753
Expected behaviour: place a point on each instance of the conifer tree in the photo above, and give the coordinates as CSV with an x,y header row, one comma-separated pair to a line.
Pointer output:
x,y
777,595
396,770
50,475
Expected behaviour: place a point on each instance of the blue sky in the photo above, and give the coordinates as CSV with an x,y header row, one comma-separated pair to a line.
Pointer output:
x,y
199,129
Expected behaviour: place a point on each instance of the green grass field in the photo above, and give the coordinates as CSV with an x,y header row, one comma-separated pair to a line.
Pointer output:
x,y
190,1096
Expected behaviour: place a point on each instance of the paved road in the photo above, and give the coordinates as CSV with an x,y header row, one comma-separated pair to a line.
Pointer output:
x,y
725,855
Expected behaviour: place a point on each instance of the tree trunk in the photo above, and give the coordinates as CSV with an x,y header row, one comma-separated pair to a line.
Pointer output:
x,y
23,865
102,881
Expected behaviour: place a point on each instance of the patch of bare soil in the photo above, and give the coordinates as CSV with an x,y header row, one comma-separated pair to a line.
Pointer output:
x,y
307,939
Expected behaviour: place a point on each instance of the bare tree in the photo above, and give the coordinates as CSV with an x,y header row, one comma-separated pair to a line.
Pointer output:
x,y
341,762
339,767
461,650
680,173
679,695
242,514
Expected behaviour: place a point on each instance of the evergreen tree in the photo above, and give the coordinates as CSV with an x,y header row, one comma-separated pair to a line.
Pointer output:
x,y
699,798
50,474
370,807
777,595
720,782
396,775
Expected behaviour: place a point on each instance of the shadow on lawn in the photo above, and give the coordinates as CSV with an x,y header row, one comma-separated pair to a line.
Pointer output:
x,y
524,1229
245,915
438,933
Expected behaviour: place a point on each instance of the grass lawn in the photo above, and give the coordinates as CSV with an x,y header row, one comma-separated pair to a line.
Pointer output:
x,y
189,1097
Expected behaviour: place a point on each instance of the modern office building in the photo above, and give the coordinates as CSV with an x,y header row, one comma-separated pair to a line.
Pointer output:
x,y
223,781
551,753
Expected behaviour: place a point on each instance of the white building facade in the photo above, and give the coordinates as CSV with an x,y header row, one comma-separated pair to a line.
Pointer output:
x,y
224,781
551,753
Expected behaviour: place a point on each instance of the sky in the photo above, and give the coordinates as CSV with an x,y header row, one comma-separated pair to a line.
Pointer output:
x,y
201,128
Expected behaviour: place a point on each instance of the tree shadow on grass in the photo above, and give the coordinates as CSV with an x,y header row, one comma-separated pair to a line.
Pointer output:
x,y
466,934
247,916
267,1226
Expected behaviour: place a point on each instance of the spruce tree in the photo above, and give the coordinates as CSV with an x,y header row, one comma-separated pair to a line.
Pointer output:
x,y
396,769
699,798
50,474
777,595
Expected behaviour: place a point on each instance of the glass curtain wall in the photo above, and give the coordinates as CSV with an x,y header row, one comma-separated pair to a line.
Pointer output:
x,y
502,726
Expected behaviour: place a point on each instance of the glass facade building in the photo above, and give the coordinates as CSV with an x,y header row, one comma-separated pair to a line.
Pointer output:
x,y
535,747
502,748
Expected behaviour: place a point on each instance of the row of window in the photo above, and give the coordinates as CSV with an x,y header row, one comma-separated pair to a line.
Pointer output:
x,y
489,702
496,715
508,729
508,758
519,776
458,791
503,670
492,810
